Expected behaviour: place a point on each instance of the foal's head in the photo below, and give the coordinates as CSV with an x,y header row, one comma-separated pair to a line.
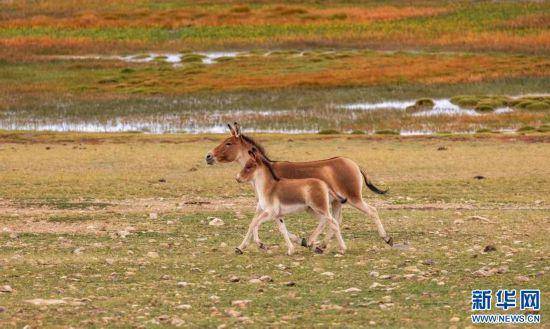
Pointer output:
x,y
254,165
233,148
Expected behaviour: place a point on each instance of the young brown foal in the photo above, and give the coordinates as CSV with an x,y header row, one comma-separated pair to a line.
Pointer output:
x,y
281,196
342,175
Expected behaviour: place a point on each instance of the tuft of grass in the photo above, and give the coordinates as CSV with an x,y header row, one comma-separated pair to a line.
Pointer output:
x,y
192,58
526,129
240,9
465,100
329,132
386,132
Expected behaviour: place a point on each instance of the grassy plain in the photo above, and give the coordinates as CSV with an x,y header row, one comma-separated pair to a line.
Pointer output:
x,y
320,56
53,26
75,213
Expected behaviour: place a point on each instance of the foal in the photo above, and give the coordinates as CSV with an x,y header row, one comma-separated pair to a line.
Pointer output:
x,y
278,197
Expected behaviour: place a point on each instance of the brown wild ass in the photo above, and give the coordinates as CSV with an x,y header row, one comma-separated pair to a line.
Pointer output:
x,y
278,197
342,175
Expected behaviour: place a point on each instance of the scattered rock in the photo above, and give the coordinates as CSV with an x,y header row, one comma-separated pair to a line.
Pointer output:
x,y
153,254
352,289
266,278
241,303
163,318
428,262
232,313
374,285
214,221
254,280
329,274
78,251
177,322
6,288
326,307
442,148
522,278
489,248
2,309
454,319
374,274
153,215
290,284
386,299
48,302
481,218
411,268
479,177
182,284
162,180
234,278
183,307
122,234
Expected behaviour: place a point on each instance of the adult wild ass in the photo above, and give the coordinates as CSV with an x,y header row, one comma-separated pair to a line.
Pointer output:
x,y
278,197
342,175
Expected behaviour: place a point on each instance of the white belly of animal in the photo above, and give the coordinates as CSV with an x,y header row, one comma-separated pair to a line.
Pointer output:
x,y
286,209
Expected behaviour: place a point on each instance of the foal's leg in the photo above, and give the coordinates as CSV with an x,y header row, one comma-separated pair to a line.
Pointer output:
x,y
253,223
285,233
336,228
255,234
261,245
313,237
337,214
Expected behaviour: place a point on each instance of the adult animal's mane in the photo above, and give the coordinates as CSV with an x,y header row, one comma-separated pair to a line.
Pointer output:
x,y
259,147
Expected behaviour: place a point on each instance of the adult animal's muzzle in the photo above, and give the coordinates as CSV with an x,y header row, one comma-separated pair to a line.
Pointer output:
x,y
210,159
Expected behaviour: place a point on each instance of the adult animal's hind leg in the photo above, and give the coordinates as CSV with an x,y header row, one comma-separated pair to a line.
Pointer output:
x,y
360,204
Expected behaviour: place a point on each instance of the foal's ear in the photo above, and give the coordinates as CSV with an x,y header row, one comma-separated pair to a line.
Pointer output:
x,y
253,152
231,130
237,129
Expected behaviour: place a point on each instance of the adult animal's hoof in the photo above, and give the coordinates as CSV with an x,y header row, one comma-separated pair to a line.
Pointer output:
x,y
319,250
304,242
238,251
390,241
262,246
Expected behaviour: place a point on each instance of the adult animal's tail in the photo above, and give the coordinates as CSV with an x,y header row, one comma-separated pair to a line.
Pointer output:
x,y
370,185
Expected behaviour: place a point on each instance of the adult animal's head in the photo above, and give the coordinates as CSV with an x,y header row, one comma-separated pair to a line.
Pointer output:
x,y
233,148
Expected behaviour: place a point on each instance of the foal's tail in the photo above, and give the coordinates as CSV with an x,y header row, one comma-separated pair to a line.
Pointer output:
x,y
337,196
370,185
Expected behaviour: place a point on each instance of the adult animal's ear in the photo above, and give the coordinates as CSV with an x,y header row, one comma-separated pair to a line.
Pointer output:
x,y
231,130
237,129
